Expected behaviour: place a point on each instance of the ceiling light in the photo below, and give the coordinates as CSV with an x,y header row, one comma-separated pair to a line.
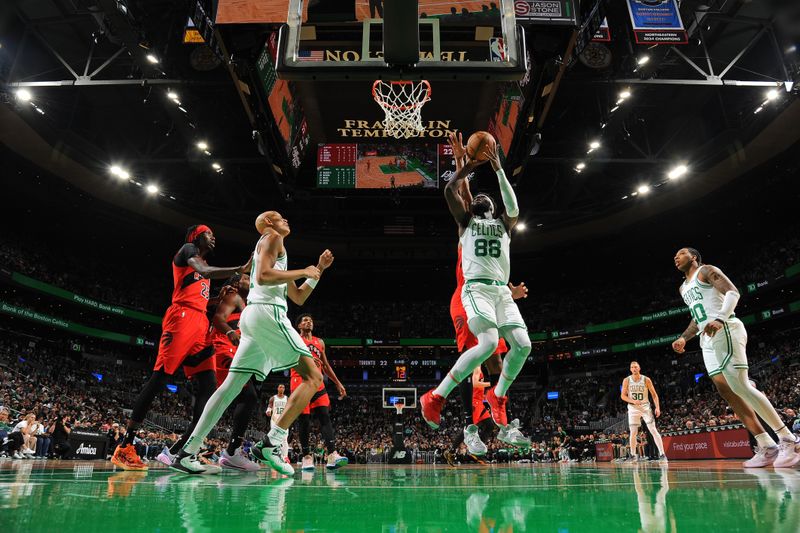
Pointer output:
x,y
594,145
758,110
772,94
123,175
182,109
216,166
792,49
202,145
625,197
521,226
625,94
643,60
40,110
152,59
677,172
643,189
115,170
172,95
614,108
152,189
24,95
580,166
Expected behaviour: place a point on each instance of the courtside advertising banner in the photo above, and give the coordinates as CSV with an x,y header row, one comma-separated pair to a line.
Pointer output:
x,y
723,444
657,22
604,452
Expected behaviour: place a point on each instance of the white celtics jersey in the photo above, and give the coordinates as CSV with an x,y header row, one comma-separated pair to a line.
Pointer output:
x,y
637,390
485,250
267,294
703,300
278,406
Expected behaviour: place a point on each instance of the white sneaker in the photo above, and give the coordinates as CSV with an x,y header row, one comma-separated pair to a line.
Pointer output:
x,y
765,456
473,441
789,454
513,436
188,465
336,461
28,451
272,456
238,461
663,458
17,455
165,457
307,464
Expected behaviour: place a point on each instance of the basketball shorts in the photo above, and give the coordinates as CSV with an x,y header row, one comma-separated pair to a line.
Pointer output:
x,y
725,350
184,341
464,337
320,398
480,412
268,342
223,357
639,413
492,303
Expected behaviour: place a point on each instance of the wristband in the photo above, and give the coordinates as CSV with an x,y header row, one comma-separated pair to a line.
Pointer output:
x,y
228,333
311,282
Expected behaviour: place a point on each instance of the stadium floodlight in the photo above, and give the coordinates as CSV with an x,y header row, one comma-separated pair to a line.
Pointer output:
x,y
24,95
758,110
216,166
115,169
172,95
182,109
521,226
594,145
580,166
202,145
677,172
643,189
152,189
772,94
152,59
625,94
643,60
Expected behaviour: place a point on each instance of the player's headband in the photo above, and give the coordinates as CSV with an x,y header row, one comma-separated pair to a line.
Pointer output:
x,y
202,228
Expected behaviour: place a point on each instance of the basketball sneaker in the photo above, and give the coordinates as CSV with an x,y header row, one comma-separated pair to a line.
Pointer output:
x,y
188,464
765,456
431,406
497,406
267,453
165,457
663,459
237,461
126,458
789,454
308,464
450,457
512,435
336,461
472,439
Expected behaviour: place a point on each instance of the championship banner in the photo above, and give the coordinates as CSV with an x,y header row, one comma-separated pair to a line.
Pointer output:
x,y
657,22
723,444
603,33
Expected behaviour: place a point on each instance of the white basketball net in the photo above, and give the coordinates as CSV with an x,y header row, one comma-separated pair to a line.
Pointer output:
x,y
402,103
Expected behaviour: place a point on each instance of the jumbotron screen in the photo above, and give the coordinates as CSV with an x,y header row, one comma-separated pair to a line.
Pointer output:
x,y
383,165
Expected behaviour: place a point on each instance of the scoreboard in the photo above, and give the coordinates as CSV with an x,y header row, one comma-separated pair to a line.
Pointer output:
x,y
336,166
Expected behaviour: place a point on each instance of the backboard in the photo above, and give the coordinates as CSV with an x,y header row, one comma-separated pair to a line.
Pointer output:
x,y
391,396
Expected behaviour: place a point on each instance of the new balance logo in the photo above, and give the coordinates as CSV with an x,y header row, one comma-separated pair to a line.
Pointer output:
x,y
399,455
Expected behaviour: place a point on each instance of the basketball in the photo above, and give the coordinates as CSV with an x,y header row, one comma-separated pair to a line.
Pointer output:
x,y
477,145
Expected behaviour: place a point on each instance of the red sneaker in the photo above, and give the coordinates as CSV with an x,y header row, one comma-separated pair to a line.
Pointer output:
x,y
431,406
126,458
497,406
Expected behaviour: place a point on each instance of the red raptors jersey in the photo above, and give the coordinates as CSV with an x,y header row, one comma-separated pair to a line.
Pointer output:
x,y
456,299
477,392
316,348
191,289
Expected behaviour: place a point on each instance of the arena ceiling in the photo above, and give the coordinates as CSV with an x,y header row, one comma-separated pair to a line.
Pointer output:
x,y
97,100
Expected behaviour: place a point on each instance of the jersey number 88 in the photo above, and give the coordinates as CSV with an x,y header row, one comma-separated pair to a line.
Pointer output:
x,y
485,247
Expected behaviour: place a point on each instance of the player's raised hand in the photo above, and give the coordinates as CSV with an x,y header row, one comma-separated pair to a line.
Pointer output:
x,y
679,345
518,291
245,268
494,157
459,150
312,272
325,260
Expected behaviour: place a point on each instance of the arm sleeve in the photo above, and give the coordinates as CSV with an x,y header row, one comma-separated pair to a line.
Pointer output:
x,y
728,305
507,192
186,252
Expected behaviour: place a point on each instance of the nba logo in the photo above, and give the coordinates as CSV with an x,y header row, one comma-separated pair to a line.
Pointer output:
x,y
497,49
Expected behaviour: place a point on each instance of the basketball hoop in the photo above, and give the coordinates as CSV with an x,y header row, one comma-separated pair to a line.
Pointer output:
x,y
402,102
399,406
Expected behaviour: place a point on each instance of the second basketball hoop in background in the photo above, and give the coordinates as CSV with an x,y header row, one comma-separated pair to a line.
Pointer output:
x,y
402,103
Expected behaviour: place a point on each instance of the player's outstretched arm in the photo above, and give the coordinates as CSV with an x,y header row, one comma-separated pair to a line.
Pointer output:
x,y
518,291
679,345
300,294
220,320
720,282
460,158
268,251
506,190
209,272
451,193
654,395
269,407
